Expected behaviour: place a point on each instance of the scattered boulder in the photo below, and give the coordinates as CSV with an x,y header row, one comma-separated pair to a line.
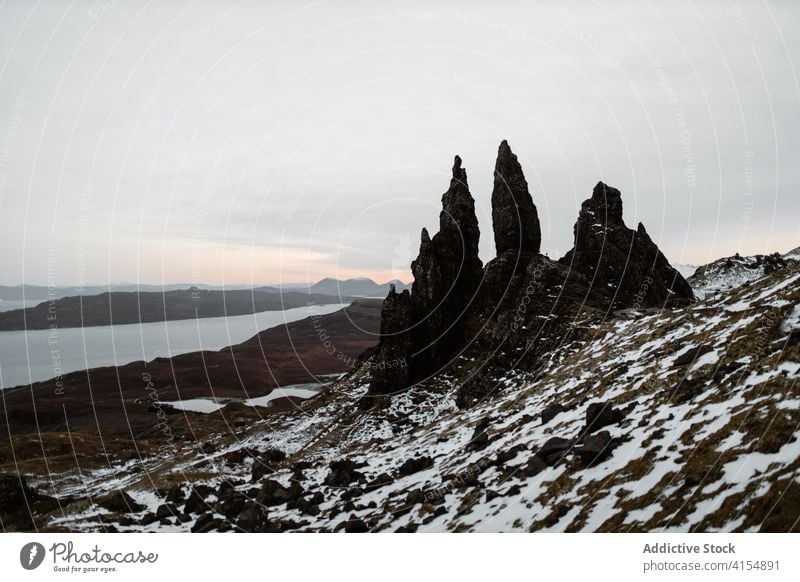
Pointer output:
x,y
554,450
691,355
166,511
174,494
206,523
273,493
601,414
253,517
195,503
343,473
594,449
480,437
266,463
504,457
230,501
551,412
535,465
414,465
379,481
119,502
355,525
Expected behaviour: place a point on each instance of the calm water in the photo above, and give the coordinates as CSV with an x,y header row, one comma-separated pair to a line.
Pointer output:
x,y
11,304
33,356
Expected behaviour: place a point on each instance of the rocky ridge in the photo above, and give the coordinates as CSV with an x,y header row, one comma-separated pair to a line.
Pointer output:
x,y
522,305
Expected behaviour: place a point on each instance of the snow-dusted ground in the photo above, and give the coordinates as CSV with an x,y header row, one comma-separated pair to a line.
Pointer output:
x,y
206,405
730,273
708,439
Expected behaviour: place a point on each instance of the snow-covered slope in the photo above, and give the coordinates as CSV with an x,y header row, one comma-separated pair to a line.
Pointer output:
x,y
699,433
732,272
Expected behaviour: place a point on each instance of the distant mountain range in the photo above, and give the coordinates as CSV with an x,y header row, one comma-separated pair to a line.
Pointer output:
x,y
360,287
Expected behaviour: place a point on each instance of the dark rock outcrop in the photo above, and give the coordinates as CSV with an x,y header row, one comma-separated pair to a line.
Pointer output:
x,y
522,305
595,448
423,330
20,504
391,363
554,450
253,518
414,465
614,257
601,414
514,216
195,503
342,473
119,502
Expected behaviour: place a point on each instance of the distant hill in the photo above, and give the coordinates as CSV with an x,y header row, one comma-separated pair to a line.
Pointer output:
x,y
42,292
121,307
361,287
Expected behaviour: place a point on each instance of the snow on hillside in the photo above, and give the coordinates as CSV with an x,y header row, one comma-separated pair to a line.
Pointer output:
x,y
696,419
732,272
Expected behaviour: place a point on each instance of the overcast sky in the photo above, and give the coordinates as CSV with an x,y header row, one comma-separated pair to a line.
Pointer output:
x,y
215,141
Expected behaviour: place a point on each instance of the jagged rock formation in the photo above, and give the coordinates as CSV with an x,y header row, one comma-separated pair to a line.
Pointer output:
x,y
514,216
613,256
517,234
523,305
393,352
422,331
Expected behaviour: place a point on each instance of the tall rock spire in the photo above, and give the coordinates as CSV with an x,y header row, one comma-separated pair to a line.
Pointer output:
x,y
447,275
448,267
514,216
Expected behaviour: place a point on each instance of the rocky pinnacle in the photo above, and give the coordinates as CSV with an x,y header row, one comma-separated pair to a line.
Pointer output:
x,y
447,274
514,216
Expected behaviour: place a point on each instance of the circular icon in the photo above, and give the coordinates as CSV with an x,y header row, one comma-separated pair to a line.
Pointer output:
x,y
31,555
